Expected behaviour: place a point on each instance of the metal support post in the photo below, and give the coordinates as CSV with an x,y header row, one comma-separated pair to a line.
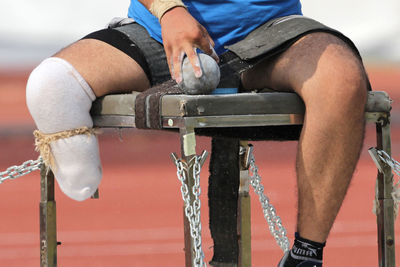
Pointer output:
x,y
48,230
244,210
188,151
385,211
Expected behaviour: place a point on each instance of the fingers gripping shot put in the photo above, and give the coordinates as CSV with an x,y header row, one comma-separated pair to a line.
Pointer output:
x,y
204,84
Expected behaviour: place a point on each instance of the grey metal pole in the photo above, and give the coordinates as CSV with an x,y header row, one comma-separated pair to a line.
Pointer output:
x,y
244,208
188,151
385,211
48,228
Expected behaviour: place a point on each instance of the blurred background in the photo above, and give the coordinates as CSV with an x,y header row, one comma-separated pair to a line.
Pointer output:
x,y
33,30
137,220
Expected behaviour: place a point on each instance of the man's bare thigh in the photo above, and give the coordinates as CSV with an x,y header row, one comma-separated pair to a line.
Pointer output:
x,y
290,70
105,68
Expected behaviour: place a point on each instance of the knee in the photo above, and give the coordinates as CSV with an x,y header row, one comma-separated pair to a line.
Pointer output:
x,y
49,80
56,90
57,80
345,93
338,75
351,83
347,73
41,84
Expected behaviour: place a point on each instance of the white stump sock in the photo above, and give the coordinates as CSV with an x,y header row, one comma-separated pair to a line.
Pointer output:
x,y
59,99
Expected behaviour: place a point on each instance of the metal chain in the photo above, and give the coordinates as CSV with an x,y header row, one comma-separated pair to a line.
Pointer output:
x,y
25,168
274,221
192,211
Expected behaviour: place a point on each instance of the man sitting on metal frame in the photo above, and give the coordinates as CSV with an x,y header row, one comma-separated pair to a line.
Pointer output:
x,y
296,54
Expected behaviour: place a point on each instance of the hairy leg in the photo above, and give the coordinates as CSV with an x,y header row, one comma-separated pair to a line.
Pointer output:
x,y
331,81
105,68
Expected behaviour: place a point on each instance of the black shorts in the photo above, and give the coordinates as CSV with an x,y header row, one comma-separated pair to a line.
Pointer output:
x,y
268,40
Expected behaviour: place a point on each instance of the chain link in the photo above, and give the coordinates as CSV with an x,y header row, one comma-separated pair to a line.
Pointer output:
x,y
192,211
25,168
274,221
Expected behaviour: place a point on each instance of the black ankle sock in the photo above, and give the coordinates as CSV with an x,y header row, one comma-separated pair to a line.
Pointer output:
x,y
305,252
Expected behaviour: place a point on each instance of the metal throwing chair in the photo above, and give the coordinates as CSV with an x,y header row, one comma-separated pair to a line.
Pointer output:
x,y
214,115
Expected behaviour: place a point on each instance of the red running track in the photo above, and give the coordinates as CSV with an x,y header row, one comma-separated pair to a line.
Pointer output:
x,y
138,219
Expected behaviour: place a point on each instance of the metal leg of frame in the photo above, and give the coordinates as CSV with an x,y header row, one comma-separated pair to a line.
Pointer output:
x,y
244,210
48,230
385,214
188,151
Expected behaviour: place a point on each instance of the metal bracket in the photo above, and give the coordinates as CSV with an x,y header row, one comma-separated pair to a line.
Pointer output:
x,y
247,152
373,152
203,157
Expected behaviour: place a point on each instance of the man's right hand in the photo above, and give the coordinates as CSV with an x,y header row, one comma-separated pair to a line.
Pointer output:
x,y
182,34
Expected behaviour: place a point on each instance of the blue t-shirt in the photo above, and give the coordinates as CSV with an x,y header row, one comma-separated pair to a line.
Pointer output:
x,y
227,21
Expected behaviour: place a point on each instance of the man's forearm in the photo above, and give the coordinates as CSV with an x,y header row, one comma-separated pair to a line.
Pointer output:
x,y
159,7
